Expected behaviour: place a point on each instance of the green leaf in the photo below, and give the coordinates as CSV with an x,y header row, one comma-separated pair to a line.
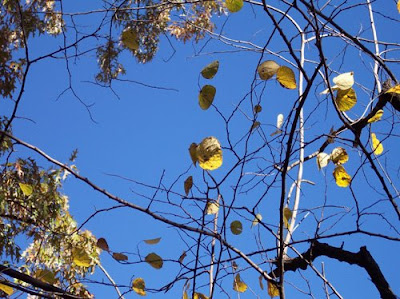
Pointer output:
x,y
154,260
209,71
234,5
206,96
26,189
236,227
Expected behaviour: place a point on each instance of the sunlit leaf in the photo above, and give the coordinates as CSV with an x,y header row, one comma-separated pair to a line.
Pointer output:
x,y
6,289
81,258
206,96
339,155
154,260
344,81
209,71
182,257
239,285
377,146
286,77
102,244
346,99
287,216
396,88
152,241
188,184
323,160
273,290
129,39
212,207
199,296
138,285
236,227
260,281
398,6
256,220
257,108
209,153
185,295
26,189
279,121
377,117
234,5
267,69
193,153
45,275
342,178
119,256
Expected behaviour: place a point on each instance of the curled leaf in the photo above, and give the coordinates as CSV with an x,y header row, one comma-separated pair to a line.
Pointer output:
x,y
267,69
138,285
152,241
377,117
286,77
206,96
154,260
212,207
102,244
239,285
323,160
377,146
209,153
209,71
188,184
236,227
346,99
339,155
342,178
119,256
234,5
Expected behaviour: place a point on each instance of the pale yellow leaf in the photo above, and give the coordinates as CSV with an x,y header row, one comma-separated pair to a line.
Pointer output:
x,y
209,153
26,189
234,5
152,241
212,207
129,39
344,81
267,69
273,290
287,216
154,260
206,96
239,285
286,77
6,289
81,258
377,146
193,153
323,160
346,99
342,178
256,220
339,155
236,227
102,244
119,256
138,285
209,71
378,115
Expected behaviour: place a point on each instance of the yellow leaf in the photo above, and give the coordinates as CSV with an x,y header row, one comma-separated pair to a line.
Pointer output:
x,y
238,285
45,275
193,153
209,153
26,189
378,115
287,215
206,96
81,258
236,227
119,256
396,88
323,160
257,108
342,178
273,290
185,295
188,184
6,289
267,69
154,260
346,99
152,241
138,285
398,6
199,296
339,155
377,146
209,71
182,257
286,77
256,220
129,39
234,5
102,244
212,207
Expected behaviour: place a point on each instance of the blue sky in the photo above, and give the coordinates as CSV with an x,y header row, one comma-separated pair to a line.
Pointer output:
x,y
147,131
